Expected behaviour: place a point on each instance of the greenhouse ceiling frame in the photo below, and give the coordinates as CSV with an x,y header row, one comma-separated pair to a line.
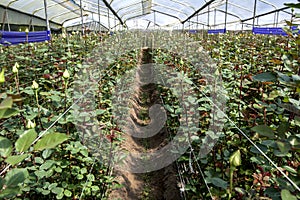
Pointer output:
x,y
123,11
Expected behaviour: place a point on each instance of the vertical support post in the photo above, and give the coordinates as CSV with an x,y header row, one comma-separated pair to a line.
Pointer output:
x,y
277,18
4,18
46,15
154,15
30,24
7,21
208,16
226,10
197,21
115,23
254,13
215,17
99,18
81,15
108,20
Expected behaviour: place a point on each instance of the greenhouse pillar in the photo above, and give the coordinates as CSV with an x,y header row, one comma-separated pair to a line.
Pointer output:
x,y
277,18
226,10
208,17
197,21
4,19
154,15
108,21
254,12
99,16
46,15
81,15
215,12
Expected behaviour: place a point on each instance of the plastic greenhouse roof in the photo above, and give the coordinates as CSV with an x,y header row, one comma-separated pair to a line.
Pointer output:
x,y
193,14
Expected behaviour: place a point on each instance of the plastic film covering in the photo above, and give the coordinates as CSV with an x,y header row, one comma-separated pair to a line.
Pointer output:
x,y
13,37
188,14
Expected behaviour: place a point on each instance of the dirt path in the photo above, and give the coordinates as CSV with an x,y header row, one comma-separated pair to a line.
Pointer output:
x,y
156,185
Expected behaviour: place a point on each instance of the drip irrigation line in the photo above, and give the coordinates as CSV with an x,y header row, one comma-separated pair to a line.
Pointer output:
x,y
232,122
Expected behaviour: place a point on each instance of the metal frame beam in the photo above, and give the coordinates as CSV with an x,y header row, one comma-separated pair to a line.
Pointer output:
x,y
199,10
30,15
167,7
113,11
264,14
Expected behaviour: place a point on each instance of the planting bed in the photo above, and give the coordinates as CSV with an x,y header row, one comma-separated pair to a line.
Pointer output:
x,y
47,157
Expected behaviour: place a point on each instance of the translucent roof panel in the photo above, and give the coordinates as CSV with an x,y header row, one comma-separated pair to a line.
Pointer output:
x,y
59,11
162,13
240,13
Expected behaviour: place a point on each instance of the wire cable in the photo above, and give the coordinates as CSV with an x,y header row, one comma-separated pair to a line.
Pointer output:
x,y
224,114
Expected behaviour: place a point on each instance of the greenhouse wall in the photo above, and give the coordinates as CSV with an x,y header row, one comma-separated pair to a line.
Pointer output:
x,y
18,20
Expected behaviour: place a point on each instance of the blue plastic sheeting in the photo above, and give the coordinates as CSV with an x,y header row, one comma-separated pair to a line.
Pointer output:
x,y
14,37
193,31
216,31
269,31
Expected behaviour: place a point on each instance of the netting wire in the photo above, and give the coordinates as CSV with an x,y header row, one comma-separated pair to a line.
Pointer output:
x,y
269,159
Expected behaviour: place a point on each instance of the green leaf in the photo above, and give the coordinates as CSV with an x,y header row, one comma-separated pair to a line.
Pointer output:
x,y
47,153
10,192
286,58
265,77
1,183
264,131
50,141
91,177
293,5
57,190
294,141
286,195
5,146
68,193
290,169
40,173
5,108
6,103
52,185
284,147
25,140
7,113
290,107
282,129
38,160
95,188
47,165
219,182
2,76
15,177
13,160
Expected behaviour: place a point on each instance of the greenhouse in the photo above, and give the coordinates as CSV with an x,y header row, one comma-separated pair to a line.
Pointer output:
x,y
149,99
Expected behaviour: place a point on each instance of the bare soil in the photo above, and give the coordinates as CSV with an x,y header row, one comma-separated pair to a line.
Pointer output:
x,y
156,185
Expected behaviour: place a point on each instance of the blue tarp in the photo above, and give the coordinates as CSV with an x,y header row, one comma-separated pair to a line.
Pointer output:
x,y
14,37
216,31
270,31
193,31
